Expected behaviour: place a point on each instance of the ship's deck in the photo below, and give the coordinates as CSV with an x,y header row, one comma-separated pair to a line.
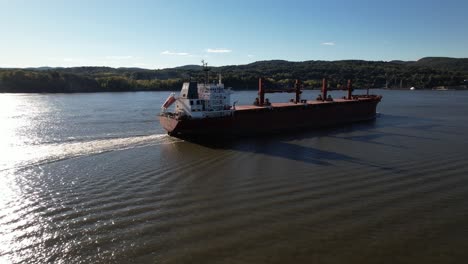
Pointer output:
x,y
290,104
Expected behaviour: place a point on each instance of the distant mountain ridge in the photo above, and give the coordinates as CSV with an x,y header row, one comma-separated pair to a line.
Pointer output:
x,y
446,63
425,73
460,64
189,67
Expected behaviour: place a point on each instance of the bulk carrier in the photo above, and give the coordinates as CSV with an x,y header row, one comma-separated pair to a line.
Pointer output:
x,y
205,109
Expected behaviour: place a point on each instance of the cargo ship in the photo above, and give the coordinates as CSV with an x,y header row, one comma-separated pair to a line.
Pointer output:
x,y
205,110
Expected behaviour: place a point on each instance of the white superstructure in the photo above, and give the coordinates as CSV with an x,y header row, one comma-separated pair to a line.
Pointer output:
x,y
202,100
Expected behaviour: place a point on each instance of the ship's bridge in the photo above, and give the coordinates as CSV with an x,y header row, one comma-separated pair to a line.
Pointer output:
x,y
200,100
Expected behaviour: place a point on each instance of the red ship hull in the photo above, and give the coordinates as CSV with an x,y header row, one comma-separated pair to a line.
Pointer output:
x,y
249,120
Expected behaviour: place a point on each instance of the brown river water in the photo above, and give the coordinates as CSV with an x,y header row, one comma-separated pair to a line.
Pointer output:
x,y
92,178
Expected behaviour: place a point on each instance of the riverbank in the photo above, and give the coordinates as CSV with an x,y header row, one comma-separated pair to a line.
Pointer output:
x,y
243,77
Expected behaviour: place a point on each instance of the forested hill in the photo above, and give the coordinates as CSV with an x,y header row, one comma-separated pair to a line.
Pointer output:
x,y
450,64
425,73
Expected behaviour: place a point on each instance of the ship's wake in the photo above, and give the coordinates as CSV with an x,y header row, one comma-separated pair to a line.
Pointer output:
x,y
33,155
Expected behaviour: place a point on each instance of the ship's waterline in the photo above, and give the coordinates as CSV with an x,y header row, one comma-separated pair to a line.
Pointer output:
x,y
93,178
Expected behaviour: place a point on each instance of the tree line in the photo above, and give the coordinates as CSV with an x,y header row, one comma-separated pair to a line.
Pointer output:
x,y
425,73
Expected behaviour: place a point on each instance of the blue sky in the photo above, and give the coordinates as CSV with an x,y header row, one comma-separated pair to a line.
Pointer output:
x,y
159,34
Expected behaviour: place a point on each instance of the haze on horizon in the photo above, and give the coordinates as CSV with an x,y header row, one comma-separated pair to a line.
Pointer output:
x,y
162,34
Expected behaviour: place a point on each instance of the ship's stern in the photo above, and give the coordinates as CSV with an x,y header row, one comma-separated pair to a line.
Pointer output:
x,y
169,123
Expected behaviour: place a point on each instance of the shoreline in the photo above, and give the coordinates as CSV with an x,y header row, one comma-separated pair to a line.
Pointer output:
x,y
233,89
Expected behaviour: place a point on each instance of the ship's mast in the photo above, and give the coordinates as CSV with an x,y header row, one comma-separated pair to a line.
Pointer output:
x,y
206,70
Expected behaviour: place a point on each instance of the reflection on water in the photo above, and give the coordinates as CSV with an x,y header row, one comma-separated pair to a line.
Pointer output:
x,y
16,117
44,128
92,178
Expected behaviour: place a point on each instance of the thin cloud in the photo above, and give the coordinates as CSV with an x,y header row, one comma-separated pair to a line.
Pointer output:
x,y
140,64
175,53
218,50
250,55
119,57
331,43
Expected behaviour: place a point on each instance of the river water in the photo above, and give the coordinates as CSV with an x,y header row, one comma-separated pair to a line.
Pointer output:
x,y
93,178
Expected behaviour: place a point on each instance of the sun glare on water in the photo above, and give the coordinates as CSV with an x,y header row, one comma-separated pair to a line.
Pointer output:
x,y
17,117
28,141
9,155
